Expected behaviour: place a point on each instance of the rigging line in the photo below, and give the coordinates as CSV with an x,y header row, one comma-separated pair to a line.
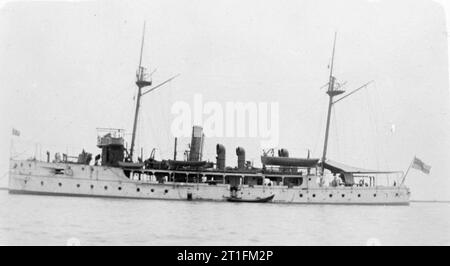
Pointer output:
x,y
383,116
363,137
149,130
321,126
4,175
162,120
374,127
165,112
337,133
169,113
352,92
17,154
139,134
377,131
303,112
160,85
164,115
157,109
153,130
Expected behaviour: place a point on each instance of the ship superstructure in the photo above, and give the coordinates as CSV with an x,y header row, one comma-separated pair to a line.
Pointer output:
x,y
281,179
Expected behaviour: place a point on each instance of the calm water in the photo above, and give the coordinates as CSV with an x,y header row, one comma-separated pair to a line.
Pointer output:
x,y
44,220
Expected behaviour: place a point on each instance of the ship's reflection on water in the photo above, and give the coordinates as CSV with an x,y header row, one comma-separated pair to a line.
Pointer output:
x,y
43,220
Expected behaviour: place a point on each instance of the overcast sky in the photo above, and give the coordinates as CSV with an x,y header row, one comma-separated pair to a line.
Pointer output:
x,y
69,67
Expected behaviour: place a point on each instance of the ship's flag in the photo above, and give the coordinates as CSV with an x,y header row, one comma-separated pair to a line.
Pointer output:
x,y
420,165
15,132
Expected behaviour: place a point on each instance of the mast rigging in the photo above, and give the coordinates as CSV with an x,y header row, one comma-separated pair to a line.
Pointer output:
x,y
334,89
141,83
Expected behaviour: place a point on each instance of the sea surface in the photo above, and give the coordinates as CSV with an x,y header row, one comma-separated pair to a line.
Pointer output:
x,y
50,220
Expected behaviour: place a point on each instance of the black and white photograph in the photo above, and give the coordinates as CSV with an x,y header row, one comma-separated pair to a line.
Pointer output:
x,y
224,123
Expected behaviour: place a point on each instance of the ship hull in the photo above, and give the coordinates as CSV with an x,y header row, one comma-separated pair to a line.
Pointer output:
x,y
39,178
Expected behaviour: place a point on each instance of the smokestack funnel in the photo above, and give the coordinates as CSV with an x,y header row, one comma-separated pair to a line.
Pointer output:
x,y
240,152
283,153
220,149
196,144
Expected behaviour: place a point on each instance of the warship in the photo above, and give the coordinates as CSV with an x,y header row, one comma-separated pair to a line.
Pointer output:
x,y
114,173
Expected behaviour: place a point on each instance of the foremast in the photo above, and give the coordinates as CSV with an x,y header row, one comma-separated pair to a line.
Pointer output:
x,y
142,82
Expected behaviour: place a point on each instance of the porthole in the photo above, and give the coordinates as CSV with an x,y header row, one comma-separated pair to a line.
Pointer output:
x,y
396,194
119,188
152,190
25,181
92,186
106,187
331,195
59,184
78,185
343,195
301,195
138,189
166,191
309,179
314,195
42,183
359,195
374,195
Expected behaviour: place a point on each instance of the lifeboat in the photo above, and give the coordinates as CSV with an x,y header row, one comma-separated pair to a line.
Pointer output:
x,y
257,200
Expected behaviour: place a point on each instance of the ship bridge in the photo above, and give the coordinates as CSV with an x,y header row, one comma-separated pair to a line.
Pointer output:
x,y
111,141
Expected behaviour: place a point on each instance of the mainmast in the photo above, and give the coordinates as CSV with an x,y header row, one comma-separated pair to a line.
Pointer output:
x,y
332,91
141,83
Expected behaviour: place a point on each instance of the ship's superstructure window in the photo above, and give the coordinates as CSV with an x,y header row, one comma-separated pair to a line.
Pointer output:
x,y
292,181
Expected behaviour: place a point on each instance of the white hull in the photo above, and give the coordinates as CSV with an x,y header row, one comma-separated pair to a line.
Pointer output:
x,y
31,177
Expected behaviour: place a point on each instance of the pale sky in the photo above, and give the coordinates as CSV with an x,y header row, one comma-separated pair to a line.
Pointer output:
x,y
69,67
